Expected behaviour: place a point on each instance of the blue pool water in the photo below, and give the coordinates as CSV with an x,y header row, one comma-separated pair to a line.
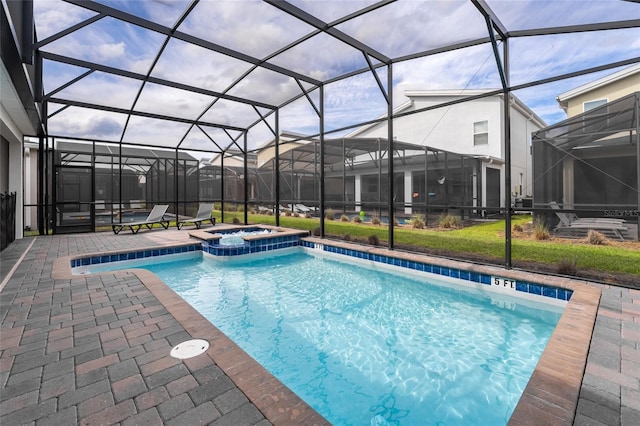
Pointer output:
x,y
363,345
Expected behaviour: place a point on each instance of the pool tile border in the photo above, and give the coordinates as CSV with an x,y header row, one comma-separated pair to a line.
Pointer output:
x,y
96,259
521,286
286,240
550,397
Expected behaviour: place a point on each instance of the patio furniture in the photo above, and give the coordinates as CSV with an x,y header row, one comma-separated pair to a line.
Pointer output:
x,y
204,214
572,225
155,216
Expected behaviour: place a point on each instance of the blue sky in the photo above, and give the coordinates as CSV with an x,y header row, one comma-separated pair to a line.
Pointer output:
x,y
257,29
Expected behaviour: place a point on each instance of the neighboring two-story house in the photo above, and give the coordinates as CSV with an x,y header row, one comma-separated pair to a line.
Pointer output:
x,y
473,129
589,162
600,92
444,157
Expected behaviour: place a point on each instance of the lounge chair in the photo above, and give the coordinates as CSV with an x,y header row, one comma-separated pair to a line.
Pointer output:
x,y
155,216
572,224
204,214
301,208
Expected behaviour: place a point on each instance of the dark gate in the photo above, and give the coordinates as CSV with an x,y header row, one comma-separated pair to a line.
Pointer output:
x,y
74,209
7,219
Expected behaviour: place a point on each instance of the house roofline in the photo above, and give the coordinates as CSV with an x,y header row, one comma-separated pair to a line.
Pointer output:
x,y
515,102
403,107
603,81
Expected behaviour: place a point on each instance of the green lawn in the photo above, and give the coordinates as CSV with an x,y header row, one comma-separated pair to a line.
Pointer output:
x,y
486,239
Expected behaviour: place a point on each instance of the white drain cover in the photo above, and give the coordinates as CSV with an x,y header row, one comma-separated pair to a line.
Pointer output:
x,y
189,349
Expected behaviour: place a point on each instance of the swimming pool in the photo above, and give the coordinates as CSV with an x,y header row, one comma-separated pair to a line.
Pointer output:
x,y
391,345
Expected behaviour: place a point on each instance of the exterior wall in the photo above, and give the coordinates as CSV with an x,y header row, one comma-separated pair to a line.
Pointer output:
x,y
17,113
610,92
451,128
521,154
12,165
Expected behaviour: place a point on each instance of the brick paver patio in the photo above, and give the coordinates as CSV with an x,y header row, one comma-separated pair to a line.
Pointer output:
x,y
95,350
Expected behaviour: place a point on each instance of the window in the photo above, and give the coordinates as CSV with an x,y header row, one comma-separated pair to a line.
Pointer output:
x,y
589,105
481,133
596,116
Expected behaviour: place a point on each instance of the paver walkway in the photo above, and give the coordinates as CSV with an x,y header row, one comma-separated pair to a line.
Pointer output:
x,y
94,350
610,393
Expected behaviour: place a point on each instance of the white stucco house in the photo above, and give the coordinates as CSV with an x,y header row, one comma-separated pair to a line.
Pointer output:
x,y
473,129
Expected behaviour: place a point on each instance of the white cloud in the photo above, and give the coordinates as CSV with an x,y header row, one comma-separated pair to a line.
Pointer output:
x,y
84,123
110,50
53,16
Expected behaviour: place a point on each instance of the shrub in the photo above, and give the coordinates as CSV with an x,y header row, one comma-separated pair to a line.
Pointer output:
x,y
375,220
373,240
269,212
307,216
596,238
449,221
296,214
517,228
357,219
417,222
236,221
239,207
567,267
328,214
395,222
344,218
540,231
316,231
286,213
347,237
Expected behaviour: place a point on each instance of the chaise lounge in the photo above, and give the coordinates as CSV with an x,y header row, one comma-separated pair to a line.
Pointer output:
x,y
155,216
204,214
572,225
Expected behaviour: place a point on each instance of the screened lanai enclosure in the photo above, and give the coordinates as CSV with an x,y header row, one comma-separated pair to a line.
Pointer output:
x,y
263,107
356,179
589,166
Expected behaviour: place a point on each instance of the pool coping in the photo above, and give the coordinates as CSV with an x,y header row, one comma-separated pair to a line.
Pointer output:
x,y
277,402
550,397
